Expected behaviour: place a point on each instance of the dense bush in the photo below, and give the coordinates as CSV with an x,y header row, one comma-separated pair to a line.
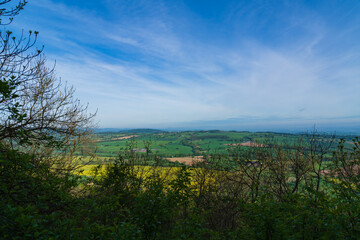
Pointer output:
x,y
190,203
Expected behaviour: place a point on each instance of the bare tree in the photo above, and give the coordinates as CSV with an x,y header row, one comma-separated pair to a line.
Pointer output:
x,y
8,10
37,110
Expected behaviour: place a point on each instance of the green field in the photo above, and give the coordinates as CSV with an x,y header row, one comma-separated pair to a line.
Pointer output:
x,y
193,143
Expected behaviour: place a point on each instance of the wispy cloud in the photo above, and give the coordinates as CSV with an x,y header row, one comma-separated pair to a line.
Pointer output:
x,y
150,62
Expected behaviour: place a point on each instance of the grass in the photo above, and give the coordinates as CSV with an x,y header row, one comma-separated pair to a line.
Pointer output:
x,y
195,143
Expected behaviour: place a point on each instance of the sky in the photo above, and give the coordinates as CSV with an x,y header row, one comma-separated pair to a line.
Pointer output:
x,y
234,64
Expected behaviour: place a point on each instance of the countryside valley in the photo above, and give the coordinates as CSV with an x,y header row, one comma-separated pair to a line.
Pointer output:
x,y
249,64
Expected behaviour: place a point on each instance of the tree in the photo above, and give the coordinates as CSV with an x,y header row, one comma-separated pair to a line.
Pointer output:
x,y
10,11
37,110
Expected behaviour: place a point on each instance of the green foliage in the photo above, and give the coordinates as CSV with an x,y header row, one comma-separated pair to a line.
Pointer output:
x,y
119,203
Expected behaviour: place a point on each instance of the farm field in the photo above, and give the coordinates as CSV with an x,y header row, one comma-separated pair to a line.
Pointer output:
x,y
193,143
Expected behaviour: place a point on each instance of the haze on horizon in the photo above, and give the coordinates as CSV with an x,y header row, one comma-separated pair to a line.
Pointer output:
x,y
187,63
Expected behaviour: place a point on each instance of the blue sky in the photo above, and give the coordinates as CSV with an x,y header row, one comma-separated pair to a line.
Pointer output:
x,y
164,63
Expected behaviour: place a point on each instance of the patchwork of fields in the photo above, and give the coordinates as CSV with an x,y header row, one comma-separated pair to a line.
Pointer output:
x,y
183,146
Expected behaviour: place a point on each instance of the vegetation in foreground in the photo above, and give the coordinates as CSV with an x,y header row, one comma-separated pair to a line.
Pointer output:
x,y
306,191
284,194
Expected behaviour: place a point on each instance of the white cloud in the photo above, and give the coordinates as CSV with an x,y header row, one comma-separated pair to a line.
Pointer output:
x,y
144,70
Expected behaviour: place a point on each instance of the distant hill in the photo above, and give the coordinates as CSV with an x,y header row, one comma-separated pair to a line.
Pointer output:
x,y
144,131
133,131
109,130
